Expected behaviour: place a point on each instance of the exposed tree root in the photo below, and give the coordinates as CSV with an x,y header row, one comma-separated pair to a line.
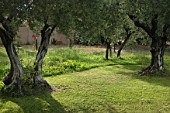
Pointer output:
x,y
25,86
13,87
38,80
43,83
149,70
7,80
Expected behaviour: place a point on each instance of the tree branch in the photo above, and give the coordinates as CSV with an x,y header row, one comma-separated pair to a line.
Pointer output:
x,y
46,26
53,27
165,28
1,18
154,24
145,27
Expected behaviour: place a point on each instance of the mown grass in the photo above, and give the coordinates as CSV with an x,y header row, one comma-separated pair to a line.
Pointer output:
x,y
112,87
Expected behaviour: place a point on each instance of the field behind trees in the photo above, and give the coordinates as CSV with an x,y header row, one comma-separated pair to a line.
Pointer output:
x,y
83,81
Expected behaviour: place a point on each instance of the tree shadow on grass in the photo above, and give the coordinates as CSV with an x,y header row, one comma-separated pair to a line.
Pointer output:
x,y
38,103
160,78
130,69
124,69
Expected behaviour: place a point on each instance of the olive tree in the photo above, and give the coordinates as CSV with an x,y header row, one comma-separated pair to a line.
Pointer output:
x,y
100,20
12,14
66,16
42,18
153,17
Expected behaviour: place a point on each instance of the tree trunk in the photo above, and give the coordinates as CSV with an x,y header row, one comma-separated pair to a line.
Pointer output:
x,y
36,44
16,71
111,54
107,50
157,53
114,48
71,40
157,56
70,43
158,43
123,44
43,48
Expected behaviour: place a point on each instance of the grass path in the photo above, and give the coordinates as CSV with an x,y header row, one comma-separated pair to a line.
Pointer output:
x,y
108,89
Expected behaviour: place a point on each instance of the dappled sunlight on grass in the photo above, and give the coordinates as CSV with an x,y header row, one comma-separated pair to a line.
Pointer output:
x,y
96,85
41,102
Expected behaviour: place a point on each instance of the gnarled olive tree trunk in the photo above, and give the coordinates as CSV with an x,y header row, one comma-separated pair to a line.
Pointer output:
x,y
16,71
157,46
43,48
157,54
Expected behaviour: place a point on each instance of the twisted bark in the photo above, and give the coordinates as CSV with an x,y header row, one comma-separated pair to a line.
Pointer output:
x,y
43,48
16,71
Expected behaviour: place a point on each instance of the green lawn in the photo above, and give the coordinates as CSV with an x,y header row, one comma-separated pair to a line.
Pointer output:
x,y
93,85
